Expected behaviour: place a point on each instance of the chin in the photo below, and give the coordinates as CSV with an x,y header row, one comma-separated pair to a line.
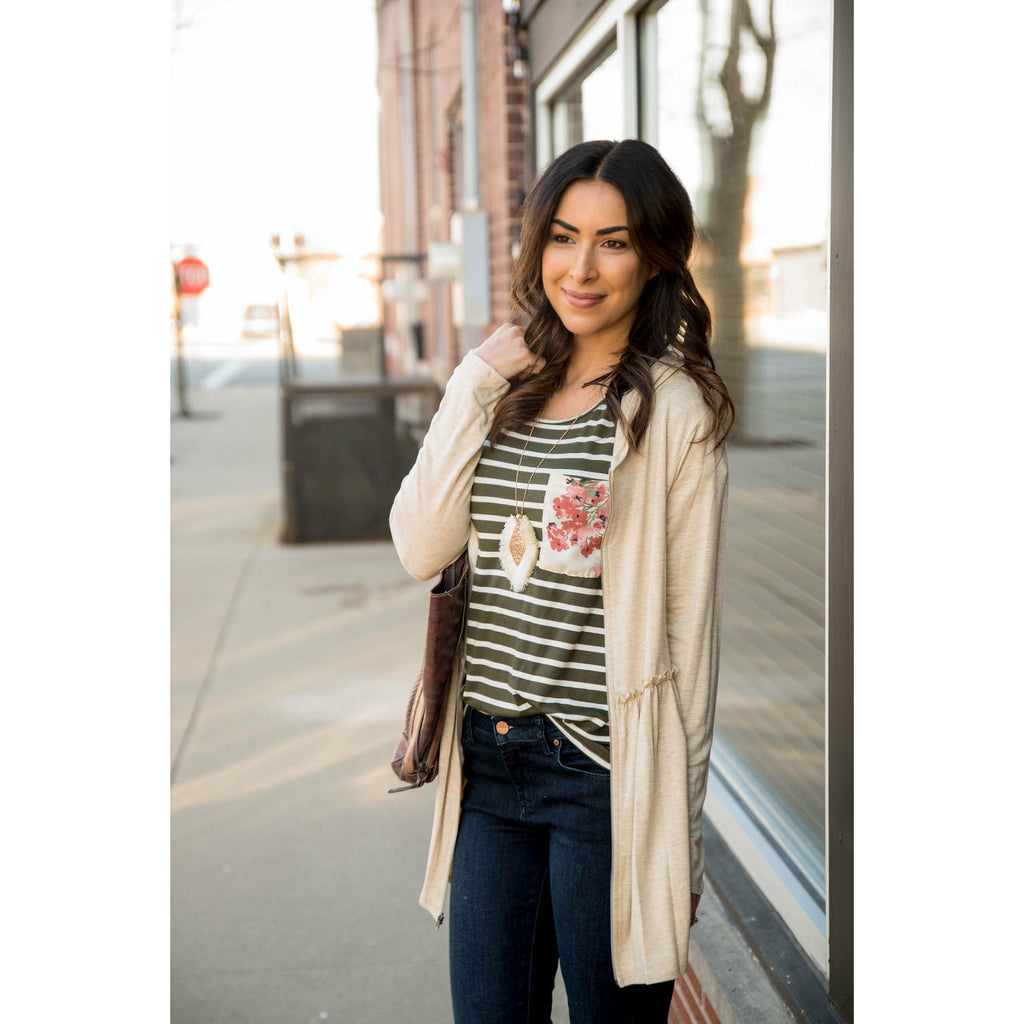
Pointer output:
x,y
579,326
580,323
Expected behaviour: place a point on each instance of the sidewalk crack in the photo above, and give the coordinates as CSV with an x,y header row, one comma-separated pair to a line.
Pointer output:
x,y
265,527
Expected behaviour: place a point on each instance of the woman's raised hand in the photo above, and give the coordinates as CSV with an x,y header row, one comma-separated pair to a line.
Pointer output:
x,y
506,351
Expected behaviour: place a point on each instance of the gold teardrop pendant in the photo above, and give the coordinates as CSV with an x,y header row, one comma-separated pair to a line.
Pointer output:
x,y
516,544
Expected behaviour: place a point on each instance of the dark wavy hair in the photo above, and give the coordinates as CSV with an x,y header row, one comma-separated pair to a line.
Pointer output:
x,y
671,313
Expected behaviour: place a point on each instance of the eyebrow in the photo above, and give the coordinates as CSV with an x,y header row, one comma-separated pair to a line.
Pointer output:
x,y
600,231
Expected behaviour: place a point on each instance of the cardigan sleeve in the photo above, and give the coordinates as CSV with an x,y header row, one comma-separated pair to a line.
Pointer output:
x,y
430,515
696,533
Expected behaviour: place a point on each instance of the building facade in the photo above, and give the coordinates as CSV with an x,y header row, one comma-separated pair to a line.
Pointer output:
x,y
750,101
428,112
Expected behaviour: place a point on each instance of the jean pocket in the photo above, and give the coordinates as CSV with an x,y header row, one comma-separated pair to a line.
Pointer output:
x,y
572,759
467,727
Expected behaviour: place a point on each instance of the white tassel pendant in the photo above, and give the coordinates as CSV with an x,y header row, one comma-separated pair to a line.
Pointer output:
x,y
518,551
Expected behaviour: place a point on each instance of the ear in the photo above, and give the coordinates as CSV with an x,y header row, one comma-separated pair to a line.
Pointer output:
x,y
654,273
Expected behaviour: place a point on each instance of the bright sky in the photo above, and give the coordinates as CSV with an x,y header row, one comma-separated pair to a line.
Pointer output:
x,y
273,129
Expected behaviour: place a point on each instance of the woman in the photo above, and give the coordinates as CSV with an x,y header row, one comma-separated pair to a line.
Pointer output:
x,y
581,461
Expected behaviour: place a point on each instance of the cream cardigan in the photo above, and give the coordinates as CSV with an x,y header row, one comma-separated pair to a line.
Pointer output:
x,y
662,575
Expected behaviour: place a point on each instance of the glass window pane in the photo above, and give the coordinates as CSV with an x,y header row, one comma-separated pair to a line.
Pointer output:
x,y
745,127
590,108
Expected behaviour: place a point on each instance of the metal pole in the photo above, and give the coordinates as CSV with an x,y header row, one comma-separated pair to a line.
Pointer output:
x,y
291,532
407,62
839,551
445,346
409,315
287,363
472,331
470,111
182,381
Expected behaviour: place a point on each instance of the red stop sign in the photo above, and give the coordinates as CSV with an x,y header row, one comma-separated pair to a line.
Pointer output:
x,y
192,275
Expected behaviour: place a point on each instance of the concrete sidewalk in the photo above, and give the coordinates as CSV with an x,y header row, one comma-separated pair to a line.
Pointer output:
x,y
295,876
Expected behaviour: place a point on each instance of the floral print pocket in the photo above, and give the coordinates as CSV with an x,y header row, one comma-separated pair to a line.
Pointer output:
x,y
575,517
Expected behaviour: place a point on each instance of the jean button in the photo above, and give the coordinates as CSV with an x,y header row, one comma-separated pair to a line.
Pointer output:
x,y
502,728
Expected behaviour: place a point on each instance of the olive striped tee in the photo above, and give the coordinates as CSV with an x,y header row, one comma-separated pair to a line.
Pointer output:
x,y
542,651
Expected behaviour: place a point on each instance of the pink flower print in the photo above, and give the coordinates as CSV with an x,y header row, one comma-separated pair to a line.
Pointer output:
x,y
557,538
564,505
582,511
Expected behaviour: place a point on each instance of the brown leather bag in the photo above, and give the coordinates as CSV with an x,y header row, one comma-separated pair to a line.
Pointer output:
x,y
415,758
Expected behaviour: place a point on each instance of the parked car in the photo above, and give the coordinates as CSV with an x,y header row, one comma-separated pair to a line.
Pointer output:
x,y
260,321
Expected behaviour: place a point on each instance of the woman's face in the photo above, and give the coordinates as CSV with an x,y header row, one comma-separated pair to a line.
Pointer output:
x,y
592,273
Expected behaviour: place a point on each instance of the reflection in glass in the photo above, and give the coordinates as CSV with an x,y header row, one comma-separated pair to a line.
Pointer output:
x,y
741,95
591,108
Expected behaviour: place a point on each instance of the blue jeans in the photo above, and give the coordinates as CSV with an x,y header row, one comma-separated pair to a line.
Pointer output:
x,y
531,883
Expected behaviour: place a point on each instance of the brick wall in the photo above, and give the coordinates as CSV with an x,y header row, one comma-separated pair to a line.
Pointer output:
x,y
690,1003
504,155
504,134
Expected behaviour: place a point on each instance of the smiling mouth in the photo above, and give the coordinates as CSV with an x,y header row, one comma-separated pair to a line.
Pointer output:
x,y
581,300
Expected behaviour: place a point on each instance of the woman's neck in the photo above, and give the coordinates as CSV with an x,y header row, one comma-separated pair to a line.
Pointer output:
x,y
591,358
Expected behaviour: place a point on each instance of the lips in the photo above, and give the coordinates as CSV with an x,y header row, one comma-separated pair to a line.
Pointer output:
x,y
581,300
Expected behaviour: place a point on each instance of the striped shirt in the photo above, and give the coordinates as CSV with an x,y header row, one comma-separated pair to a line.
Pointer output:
x,y
542,651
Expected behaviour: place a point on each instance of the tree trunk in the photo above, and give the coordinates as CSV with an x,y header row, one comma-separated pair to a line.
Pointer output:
x,y
727,152
726,216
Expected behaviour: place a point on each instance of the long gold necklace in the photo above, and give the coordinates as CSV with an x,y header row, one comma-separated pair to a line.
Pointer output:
x,y
518,549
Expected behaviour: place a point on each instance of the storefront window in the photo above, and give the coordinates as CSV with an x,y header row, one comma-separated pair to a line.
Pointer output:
x,y
590,108
743,118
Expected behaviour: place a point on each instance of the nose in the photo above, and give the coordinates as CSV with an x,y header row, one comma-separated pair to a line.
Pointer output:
x,y
583,268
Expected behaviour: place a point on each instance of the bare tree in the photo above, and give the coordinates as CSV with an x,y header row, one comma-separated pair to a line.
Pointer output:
x,y
726,141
